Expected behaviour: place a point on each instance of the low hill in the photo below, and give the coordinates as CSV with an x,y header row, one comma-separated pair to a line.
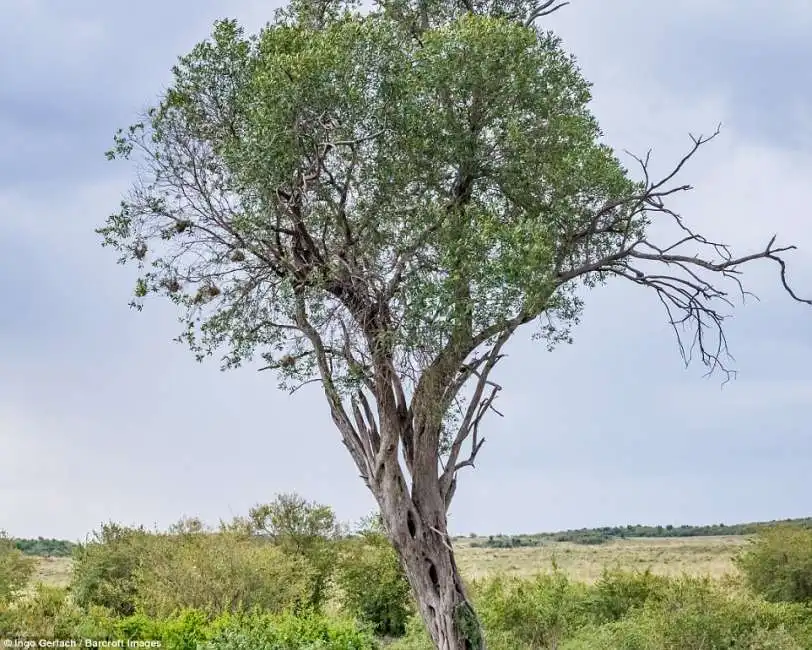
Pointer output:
x,y
607,533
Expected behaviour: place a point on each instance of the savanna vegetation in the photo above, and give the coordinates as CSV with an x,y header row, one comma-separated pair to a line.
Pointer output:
x,y
289,577
42,547
377,200
607,533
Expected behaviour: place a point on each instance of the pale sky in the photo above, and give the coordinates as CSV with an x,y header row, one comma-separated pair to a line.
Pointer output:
x,y
103,417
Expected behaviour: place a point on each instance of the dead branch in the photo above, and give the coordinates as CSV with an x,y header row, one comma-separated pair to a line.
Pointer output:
x,y
692,298
474,413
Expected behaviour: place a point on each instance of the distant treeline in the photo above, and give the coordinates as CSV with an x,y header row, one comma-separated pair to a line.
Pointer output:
x,y
62,548
608,533
45,547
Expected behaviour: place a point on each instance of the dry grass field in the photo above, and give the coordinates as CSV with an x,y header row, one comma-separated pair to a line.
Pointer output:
x,y
666,556
53,571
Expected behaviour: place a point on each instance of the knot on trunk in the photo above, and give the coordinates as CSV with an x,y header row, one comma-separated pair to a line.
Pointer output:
x,y
433,577
412,527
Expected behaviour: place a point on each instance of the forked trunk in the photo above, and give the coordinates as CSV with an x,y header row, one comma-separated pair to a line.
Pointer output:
x,y
418,530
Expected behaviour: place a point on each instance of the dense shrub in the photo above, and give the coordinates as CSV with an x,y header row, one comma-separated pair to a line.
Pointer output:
x,y
261,631
653,633
778,565
185,630
628,611
128,570
372,584
301,528
15,569
51,615
697,614
416,637
282,556
104,568
519,613
617,593
222,572
261,583
531,612
48,612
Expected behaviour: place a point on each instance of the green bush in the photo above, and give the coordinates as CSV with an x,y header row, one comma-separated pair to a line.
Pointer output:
x,y
415,638
15,570
293,521
372,584
536,612
104,568
627,611
640,634
301,528
220,572
282,556
622,611
49,613
130,570
778,565
697,614
263,631
186,630
617,593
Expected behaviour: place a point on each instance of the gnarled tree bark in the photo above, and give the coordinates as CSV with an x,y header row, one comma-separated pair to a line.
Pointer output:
x,y
414,513
421,540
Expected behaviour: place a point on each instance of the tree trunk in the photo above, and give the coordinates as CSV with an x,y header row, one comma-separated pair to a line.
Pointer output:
x,y
417,527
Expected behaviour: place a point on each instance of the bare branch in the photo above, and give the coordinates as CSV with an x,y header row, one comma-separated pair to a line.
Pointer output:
x,y
315,380
544,9
474,414
350,436
688,292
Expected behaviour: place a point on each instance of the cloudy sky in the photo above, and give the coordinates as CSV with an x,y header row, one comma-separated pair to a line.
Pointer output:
x,y
102,417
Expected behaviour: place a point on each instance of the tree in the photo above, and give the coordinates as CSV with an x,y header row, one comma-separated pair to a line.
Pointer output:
x,y
377,202
302,528
15,569
292,521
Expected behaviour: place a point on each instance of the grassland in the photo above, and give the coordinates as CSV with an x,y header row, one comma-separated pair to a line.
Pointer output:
x,y
52,571
664,555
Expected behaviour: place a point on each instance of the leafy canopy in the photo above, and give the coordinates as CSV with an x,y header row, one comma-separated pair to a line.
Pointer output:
x,y
379,201
399,192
